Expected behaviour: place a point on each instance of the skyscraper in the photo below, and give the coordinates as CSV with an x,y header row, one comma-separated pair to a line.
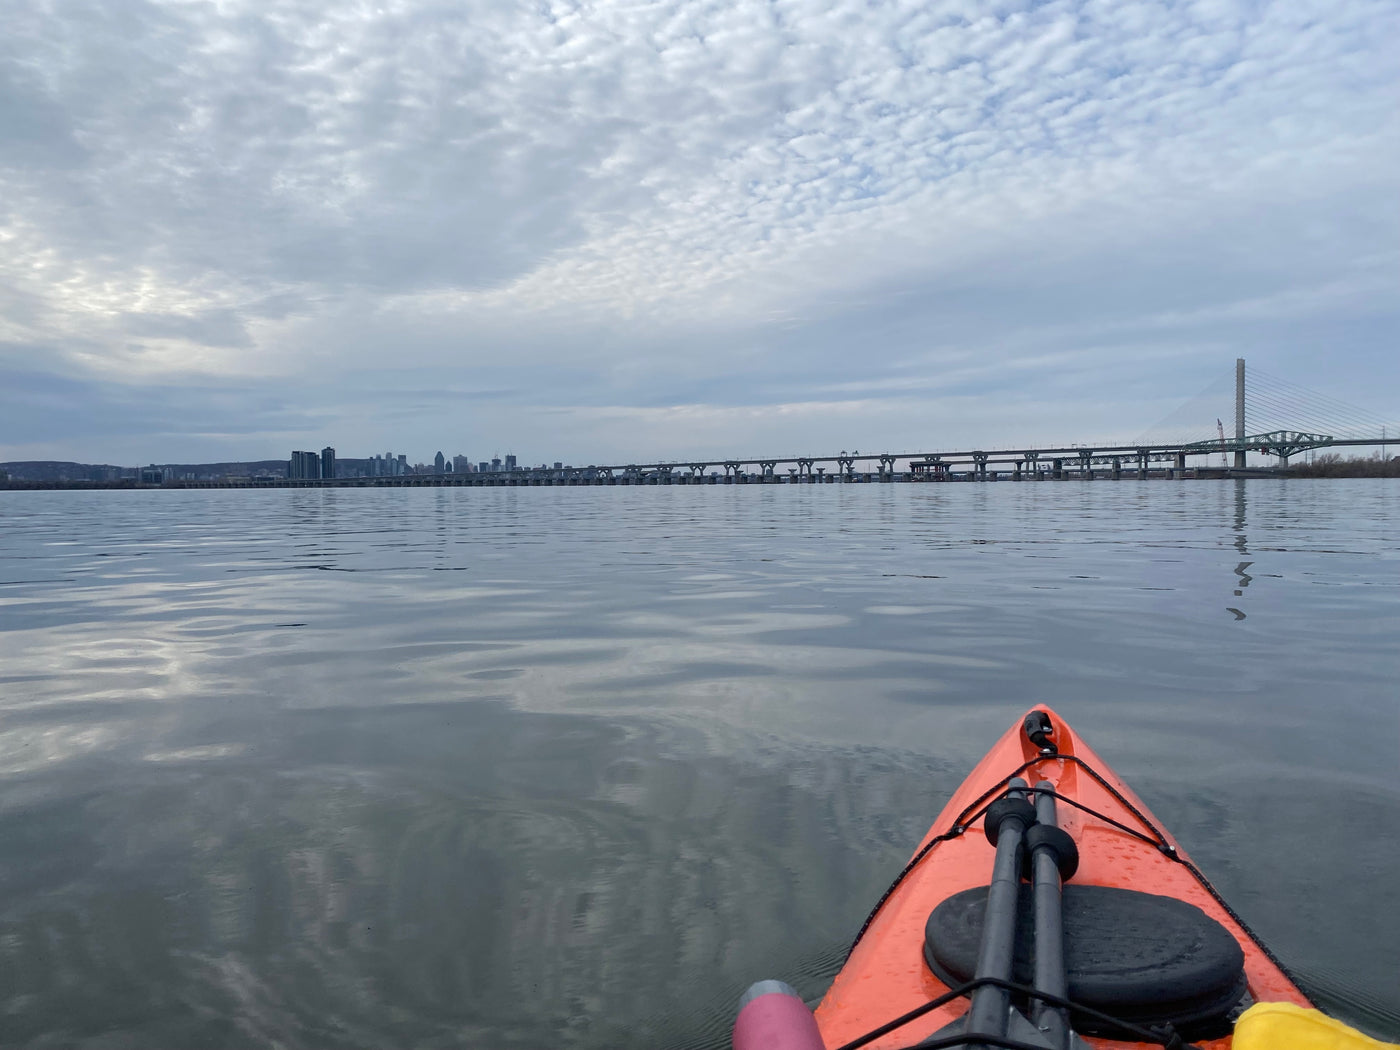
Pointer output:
x,y
510,462
439,464
304,466
327,462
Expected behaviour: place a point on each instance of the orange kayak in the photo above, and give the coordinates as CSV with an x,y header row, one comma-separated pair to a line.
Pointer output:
x,y
1138,934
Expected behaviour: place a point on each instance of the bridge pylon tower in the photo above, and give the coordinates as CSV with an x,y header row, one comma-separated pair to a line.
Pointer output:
x,y
1239,413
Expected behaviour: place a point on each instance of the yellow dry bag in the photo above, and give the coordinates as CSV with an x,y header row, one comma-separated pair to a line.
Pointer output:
x,y
1283,1026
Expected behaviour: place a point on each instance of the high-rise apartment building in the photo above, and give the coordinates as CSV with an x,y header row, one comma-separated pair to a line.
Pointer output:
x,y
327,462
510,463
304,466
461,465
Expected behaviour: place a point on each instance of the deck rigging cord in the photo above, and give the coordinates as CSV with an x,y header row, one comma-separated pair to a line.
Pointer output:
x,y
1164,1036
998,802
1158,838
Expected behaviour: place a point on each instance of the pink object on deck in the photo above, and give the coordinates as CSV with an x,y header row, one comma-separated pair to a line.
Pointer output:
x,y
772,1016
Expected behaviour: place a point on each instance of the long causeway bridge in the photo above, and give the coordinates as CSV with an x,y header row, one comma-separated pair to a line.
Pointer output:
x,y
1175,460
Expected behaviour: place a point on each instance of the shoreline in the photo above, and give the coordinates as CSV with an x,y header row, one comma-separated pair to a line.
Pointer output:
x,y
1328,471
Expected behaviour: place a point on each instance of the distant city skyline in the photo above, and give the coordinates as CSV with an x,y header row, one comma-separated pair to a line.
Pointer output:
x,y
301,465
311,465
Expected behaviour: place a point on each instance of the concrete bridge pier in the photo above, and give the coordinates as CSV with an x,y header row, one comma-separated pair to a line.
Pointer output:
x,y
1057,470
766,466
1086,465
931,468
979,465
887,468
1117,468
845,466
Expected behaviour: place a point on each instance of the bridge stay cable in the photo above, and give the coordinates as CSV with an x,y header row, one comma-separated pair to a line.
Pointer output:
x,y
1274,403
1192,420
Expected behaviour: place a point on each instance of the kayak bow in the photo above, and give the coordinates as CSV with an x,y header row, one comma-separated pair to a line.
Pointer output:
x,y
1136,941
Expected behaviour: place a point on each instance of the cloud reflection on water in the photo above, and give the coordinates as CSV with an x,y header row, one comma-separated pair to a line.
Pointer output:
x,y
570,793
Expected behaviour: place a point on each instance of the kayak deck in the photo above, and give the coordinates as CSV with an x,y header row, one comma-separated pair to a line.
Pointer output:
x,y
886,976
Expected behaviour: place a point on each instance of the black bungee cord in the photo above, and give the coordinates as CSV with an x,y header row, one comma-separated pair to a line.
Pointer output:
x,y
1165,1036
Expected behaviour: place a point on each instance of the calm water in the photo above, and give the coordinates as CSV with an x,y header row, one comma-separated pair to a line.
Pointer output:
x,y
571,767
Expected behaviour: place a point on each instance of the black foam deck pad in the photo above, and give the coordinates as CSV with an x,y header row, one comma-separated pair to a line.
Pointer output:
x,y
1140,957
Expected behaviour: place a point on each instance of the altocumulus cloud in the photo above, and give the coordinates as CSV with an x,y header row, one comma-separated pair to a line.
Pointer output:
x,y
611,228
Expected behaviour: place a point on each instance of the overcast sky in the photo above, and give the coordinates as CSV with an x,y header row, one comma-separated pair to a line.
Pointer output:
x,y
611,231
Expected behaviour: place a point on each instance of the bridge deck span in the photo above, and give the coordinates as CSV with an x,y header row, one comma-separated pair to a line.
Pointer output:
x,y
1015,464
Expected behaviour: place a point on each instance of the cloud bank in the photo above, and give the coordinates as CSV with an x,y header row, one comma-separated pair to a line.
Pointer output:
x,y
606,230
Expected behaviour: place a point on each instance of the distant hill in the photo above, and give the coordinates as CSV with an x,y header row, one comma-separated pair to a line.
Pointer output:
x,y
60,470
275,467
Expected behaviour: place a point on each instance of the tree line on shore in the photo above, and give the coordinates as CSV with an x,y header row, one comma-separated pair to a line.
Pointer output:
x,y
1332,465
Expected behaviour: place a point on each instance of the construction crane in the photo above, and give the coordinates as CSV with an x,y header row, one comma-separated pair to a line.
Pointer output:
x,y
1224,459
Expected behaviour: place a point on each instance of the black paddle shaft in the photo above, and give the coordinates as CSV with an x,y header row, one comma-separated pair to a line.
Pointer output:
x,y
988,1014
1050,976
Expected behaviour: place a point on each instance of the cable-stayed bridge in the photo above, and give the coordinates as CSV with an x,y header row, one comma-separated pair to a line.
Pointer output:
x,y
1271,417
